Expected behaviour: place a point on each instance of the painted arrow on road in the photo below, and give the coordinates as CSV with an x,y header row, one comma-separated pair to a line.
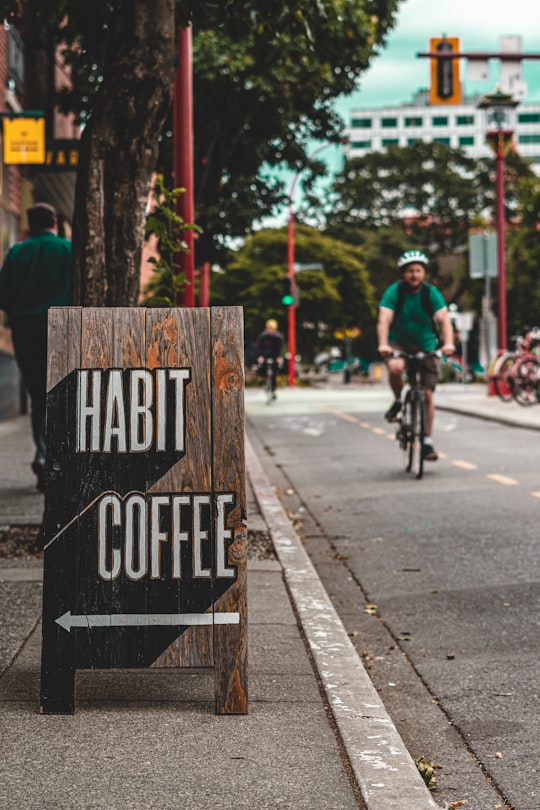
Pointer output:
x,y
68,620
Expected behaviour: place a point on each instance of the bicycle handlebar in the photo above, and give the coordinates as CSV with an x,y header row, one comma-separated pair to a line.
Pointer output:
x,y
417,355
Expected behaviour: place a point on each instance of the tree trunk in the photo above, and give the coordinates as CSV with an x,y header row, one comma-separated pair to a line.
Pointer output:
x,y
118,154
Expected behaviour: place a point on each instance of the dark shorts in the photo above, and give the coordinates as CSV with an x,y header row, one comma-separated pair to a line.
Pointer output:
x,y
429,372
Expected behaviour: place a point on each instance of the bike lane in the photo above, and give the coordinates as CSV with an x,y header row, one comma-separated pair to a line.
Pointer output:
x,y
395,575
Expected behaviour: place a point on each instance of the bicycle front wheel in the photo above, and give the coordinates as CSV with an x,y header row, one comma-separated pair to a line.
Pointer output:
x,y
416,446
404,434
502,377
525,381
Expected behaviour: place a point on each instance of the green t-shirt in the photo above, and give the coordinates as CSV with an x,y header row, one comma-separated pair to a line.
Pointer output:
x,y
412,328
36,275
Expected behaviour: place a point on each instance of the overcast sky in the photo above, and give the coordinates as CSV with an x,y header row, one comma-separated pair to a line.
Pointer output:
x,y
397,73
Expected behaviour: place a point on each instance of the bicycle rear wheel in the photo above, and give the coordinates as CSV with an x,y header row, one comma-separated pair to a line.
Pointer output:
x,y
502,377
525,381
416,446
268,387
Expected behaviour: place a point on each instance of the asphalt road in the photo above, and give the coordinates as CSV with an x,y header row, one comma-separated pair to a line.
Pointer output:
x,y
437,581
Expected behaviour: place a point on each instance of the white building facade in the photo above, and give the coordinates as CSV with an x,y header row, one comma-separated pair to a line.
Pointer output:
x,y
464,126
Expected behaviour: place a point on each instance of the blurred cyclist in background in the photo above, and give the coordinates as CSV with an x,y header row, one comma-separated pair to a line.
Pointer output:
x,y
270,346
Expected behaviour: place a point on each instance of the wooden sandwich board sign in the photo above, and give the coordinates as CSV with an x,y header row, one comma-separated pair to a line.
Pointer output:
x,y
145,506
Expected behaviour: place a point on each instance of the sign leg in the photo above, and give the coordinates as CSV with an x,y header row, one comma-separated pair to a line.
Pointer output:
x,y
57,684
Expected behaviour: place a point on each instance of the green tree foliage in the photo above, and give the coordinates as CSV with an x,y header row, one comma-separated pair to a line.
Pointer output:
x,y
265,76
124,50
167,280
428,190
338,295
523,259
427,196
264,84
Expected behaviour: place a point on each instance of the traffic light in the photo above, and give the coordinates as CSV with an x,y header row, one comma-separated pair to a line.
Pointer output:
x,y
445,84
287,291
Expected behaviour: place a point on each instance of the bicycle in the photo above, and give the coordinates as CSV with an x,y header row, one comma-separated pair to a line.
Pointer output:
x,y
525,377
412,421
515,373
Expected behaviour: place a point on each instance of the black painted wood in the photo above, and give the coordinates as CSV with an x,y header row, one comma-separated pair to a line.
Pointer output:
x,y
131,510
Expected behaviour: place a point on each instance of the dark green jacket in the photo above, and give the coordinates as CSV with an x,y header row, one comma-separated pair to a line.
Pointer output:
x,y
36,275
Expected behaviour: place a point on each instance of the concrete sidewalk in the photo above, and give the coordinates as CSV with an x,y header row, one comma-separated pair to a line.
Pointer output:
x,y
473,400
150,739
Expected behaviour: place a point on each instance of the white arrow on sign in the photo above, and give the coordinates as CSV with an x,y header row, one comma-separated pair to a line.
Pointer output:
x,y
67,621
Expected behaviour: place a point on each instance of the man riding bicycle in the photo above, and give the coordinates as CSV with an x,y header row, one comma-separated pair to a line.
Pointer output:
x,y
410,313
269,347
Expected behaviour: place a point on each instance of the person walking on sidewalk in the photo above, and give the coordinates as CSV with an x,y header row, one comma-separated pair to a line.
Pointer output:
x,y
36,275
410,314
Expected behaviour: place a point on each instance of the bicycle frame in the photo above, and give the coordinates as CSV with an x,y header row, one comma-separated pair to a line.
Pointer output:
x,y
411,430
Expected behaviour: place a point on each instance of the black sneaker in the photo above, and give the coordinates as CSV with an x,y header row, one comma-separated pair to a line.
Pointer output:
x,y
429,453
393,412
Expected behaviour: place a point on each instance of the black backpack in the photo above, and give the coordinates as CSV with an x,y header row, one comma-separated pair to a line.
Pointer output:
x,y
426,301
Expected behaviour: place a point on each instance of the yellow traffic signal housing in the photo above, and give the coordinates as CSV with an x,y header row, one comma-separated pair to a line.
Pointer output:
x,y
445,81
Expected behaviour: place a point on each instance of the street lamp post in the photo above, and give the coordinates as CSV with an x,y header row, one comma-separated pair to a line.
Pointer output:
x,y
291,314
500,107
291,319
463,323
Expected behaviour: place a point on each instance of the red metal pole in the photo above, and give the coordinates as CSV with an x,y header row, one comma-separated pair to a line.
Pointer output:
x,y
501,247
183,159
292,309
204,285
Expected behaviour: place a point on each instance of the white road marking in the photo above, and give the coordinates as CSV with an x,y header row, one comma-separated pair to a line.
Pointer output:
x,y
502,479
311,431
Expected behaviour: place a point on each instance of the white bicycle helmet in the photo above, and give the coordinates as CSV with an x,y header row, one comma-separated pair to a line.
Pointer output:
x,y
412,257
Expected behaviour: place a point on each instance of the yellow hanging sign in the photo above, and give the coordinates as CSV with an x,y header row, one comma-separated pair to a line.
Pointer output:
x,y
24,140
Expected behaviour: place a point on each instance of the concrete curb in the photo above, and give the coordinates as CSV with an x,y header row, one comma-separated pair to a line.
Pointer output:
x,y
479,412
383,768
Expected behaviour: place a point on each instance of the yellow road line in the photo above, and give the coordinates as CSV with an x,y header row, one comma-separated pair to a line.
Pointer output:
x,y
502,479
379,431
535,494
346,416
465,465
